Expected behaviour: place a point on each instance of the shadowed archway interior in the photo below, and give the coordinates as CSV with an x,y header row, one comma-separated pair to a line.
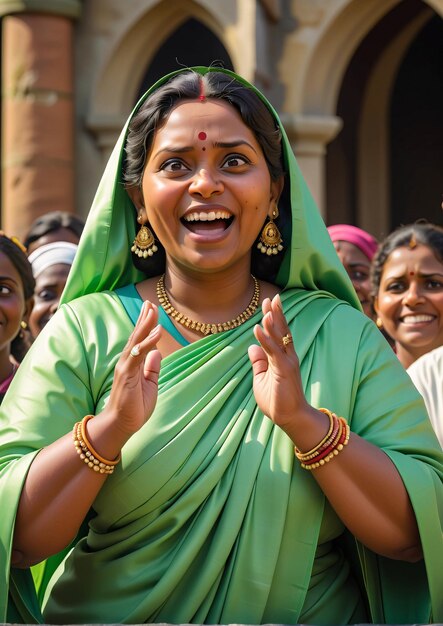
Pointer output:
x,y
191,44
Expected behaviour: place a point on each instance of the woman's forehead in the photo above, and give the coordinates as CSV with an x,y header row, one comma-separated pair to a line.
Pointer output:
x,y
192,119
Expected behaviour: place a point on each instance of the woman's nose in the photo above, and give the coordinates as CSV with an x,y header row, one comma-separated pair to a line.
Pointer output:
x,y
413,295
205,183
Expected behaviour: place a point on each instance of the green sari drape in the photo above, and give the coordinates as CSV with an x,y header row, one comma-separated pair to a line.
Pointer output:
x,y
208,518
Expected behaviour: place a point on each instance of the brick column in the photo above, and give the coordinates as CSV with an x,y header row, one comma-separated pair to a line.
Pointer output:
x,y
37,110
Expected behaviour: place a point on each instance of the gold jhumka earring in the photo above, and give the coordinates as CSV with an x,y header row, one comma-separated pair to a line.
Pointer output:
x,y
144,242
270,241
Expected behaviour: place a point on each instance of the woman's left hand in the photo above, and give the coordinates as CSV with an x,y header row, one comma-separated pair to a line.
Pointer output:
x,y
277,385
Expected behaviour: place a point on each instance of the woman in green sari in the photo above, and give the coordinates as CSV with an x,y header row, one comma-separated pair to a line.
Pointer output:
x,y
204,495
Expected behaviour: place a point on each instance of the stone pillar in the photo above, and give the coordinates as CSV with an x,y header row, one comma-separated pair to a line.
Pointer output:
x,y
309,136
37,110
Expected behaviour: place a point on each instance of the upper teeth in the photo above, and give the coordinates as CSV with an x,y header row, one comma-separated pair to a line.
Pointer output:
x,y
199,216
415,319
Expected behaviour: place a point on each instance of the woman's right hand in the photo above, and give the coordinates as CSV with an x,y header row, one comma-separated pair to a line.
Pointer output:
x,y
134,390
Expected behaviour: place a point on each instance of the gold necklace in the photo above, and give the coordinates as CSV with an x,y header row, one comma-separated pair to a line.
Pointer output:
x,y
202,327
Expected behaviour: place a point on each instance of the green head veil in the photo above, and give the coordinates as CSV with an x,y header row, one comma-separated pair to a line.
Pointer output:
x,y
104,259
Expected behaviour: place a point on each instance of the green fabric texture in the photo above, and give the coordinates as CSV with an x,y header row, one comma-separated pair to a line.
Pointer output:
x,y
209,518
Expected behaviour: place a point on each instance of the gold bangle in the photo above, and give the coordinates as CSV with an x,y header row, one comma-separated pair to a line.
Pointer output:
x,y
325,438
90,447
87,453
333,453
330,442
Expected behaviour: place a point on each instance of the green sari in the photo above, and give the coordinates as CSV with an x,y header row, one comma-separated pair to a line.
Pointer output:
x,y
208,517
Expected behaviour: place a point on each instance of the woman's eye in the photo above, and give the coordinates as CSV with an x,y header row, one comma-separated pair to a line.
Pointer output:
x,y
46,295
5,290
173,165
433,284
395,287
359,276
235,160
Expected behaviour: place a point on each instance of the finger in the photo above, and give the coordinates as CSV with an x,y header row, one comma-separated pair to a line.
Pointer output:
x,y
262,334
258,359
138,352
151,367
279,330
278,336
145,324
146,306
280,323
266,306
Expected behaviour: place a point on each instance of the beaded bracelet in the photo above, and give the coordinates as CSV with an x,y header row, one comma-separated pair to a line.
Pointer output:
x,y
325,439
333,423
327,450
318,462
313,454
332,444
87,452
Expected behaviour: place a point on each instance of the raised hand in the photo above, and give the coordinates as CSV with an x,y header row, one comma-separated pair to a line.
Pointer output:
x,y
134,390
277,383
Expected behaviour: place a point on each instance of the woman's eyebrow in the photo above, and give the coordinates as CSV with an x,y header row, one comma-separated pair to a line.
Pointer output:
x,y
10,279
173,149
233,144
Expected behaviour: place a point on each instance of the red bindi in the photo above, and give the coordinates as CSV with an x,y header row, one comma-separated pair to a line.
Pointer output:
x,y
411,273
202,135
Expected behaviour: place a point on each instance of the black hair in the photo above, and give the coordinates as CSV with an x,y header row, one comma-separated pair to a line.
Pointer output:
x,y
18,258
153,113
54,220
423,233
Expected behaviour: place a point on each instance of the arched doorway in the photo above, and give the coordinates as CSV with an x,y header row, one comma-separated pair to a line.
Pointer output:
x,y
191,44
361,183
416,130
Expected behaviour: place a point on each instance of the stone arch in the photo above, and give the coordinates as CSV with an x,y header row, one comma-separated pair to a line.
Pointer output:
x,y
128,57
329,57
373,175
337,40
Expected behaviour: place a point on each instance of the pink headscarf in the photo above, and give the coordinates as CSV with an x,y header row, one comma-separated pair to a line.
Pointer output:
x,y
360,238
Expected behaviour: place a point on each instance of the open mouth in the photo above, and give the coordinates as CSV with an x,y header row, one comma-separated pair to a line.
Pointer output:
x,y
201,222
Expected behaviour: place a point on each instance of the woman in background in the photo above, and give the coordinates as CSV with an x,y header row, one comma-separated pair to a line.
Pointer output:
x,y
427,375
356,248
51,264
16,300
407,284
54,226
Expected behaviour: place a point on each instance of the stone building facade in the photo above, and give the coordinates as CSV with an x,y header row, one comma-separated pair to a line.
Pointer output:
x,y
358,84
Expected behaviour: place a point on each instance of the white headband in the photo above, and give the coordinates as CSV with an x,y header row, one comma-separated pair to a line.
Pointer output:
x,y
52,254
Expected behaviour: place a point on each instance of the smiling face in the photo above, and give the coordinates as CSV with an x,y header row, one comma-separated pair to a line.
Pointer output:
x,y
49,286
206,188
358,267
410,301
12,302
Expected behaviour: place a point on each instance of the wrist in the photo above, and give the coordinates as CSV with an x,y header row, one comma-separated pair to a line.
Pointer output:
x,y
106,434
308,427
